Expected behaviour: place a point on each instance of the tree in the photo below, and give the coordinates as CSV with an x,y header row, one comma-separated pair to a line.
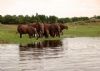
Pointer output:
x,y
74,19
52,19
27,19
7,19
98,17
32,19
21,19
42,18
83,18
1,19
37,18
64,20
14,19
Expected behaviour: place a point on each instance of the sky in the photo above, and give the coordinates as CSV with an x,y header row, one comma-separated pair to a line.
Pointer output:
x,y
59,8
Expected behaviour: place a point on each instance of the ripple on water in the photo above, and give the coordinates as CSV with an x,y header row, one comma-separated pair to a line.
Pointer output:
x,y
70,54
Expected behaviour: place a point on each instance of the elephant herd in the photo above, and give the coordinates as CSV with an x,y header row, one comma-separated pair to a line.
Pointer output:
x,y
41,30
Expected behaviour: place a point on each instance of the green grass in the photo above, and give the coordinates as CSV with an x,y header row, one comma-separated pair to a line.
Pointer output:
x,y
8,33
90,30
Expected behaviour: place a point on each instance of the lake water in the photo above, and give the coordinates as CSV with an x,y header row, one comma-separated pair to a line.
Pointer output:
x,y
69,54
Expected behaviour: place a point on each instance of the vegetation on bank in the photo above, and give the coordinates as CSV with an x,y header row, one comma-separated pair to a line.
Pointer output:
x,y
20,19
78,26
8,33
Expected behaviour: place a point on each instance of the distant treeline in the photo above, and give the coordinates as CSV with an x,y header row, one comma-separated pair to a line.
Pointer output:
x,y
20,19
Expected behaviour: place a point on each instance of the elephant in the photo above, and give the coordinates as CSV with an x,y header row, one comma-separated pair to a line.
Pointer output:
x,y
46,30
54,30
26,29
62,27
39,28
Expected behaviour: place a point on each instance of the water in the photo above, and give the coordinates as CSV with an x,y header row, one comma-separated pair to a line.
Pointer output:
x,y
69,54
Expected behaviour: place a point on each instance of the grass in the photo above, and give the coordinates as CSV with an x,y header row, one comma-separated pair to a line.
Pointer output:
x,y
8,33
89,30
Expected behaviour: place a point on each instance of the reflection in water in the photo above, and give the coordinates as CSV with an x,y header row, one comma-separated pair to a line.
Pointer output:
x,y
42,48
72,54
46,43
33,55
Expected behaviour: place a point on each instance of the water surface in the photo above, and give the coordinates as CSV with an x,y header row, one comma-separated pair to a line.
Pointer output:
x,y
69,54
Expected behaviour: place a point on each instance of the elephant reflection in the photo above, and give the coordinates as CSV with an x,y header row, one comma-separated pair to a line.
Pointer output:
x,y
42,48
34,55
46,43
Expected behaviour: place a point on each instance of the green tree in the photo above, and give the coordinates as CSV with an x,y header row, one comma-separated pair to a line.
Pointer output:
x,y
37,18
98,17
32,19
74,19
21,19
14,19
83,18
52,19
64,20
42,18
1,19
8,19
27,19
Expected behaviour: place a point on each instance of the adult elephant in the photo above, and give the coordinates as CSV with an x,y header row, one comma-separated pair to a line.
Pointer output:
x,y
62,27
26,29
46,30
54,30
39,28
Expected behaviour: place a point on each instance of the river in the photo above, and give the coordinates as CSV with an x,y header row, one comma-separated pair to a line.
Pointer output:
x,y
69,54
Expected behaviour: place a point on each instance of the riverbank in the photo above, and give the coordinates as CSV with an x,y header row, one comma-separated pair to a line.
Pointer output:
x,y
8,33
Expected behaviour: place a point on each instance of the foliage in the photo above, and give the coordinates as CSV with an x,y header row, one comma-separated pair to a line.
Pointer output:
x,y
1,19
52,19
27,19
20,19
74,19
64,20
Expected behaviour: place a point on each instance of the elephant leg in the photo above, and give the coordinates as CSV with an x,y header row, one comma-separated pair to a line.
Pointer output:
x,y
41,34
37,36
30,36
47,33
58,34
20,35
53,35
61,32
